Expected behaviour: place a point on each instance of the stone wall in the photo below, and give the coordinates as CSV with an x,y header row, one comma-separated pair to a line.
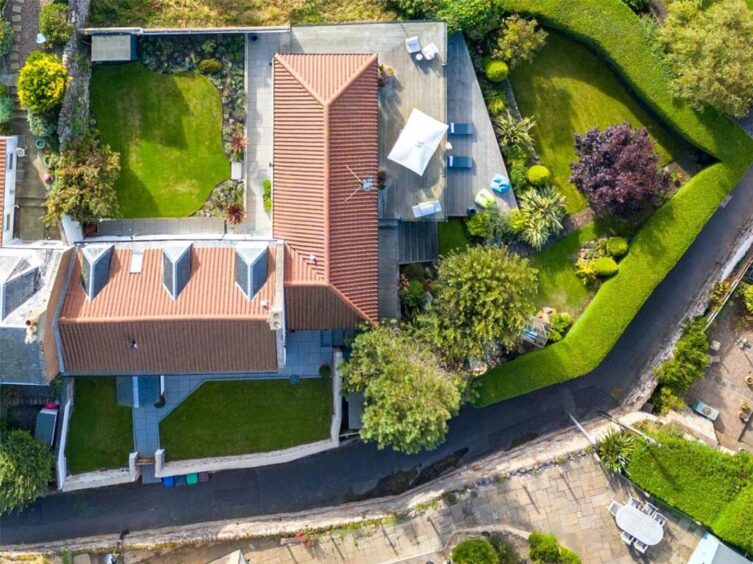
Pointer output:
x,y
74,113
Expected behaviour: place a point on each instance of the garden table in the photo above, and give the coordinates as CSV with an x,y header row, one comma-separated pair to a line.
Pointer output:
x,y
639,525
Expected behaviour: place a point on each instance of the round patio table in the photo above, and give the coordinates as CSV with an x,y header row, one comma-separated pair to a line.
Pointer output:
x,y
639,525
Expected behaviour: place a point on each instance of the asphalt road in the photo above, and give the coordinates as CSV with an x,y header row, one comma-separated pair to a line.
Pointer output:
x,y
355,469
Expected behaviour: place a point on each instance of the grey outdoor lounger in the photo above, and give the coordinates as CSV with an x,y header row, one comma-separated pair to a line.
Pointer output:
x,y
461,129
459,162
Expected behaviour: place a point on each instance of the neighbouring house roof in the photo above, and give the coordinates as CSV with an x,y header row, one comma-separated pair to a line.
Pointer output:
x,y
135,325
325,140
31,281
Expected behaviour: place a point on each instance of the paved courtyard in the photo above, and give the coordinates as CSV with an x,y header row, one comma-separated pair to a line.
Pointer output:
x,y
724,386
569,500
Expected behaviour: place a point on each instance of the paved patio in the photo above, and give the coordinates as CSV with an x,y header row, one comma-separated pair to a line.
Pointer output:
x,y
724,386
569,500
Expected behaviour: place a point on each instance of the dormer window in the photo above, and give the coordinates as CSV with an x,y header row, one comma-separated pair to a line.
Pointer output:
x,y
21,284
95,268
176,268
251,267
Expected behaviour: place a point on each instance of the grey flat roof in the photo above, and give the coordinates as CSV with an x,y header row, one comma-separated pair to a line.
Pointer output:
x,y
115,47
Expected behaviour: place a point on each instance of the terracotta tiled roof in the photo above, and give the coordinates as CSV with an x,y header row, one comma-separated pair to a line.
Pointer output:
x,y
210,327
325,109
2,189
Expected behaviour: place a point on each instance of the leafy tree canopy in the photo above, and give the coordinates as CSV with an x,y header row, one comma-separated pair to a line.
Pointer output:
x,y
25,470
618,169
408,396
42,82
84,186
483,297
518,41
710,48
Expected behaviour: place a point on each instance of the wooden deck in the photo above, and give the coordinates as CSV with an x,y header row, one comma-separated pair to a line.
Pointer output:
x,y
465,104
414,85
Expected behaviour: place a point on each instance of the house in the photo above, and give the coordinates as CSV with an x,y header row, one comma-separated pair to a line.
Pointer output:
x,y
31,283
8,158
228,306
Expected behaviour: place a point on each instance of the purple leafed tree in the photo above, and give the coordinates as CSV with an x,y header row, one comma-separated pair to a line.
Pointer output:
x,y
618,170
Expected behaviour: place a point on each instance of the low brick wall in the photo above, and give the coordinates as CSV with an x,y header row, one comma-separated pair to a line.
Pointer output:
x,y
103,478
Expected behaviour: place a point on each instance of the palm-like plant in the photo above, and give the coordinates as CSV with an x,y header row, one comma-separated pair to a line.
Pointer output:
x,y
615,449
542,212
235,214
514,133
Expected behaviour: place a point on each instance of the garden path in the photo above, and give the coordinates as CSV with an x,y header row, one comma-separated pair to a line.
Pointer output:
x,y
24,18
260,117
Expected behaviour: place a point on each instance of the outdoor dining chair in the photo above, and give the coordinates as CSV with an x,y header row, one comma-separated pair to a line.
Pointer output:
x,y
650,509
627,538
413,45
633,502
614,507
640,547
661,519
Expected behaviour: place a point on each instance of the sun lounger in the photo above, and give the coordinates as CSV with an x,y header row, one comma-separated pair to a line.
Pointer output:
x,y
459,162
461,129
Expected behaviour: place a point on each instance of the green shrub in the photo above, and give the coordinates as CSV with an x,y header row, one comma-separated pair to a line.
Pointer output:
x,y
475,18
496,71
748,297
42,125
497,105
25,470
604,267
6,37
538,175
267,195
54,24
325,371
617,247
209,66
615,449
518,175
488,224
6,109
545,549
665,399
42,82
560,322
416,9
474,551
689,359
518,41
413,296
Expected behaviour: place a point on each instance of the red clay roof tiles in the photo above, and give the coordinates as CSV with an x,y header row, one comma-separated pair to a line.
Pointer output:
x,y
325,123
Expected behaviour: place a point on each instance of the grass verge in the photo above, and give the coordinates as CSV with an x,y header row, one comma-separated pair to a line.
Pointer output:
x,y
710,486
247,416
101,431
167,129
614,31
569,90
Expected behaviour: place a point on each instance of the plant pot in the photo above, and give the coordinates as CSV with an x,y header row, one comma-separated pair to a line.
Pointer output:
x,y
40,144
749,380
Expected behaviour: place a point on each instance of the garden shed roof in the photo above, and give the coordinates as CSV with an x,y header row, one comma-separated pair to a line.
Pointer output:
x,y
113,48
325,153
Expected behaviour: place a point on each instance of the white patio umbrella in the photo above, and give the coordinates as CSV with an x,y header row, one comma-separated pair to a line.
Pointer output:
x,y
418,141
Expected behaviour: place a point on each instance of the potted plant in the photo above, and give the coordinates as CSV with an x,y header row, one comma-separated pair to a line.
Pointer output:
x,y
749,380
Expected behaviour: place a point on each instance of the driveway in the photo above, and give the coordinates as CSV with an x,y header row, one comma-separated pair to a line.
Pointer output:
x,y
356,469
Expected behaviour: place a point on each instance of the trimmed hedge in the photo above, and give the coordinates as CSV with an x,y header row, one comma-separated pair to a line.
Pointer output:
x,y
617,35
710,486
496,71
538,175
617,247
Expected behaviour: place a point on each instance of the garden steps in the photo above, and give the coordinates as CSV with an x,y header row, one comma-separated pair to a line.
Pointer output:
x,y
418,241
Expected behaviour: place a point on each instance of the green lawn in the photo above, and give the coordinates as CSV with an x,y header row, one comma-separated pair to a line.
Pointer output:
x,y
246,416
101,431
710,486
167,129
612,30
452,236
569,90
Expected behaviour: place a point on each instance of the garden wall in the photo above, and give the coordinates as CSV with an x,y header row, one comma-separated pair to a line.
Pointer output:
x,y
74,113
